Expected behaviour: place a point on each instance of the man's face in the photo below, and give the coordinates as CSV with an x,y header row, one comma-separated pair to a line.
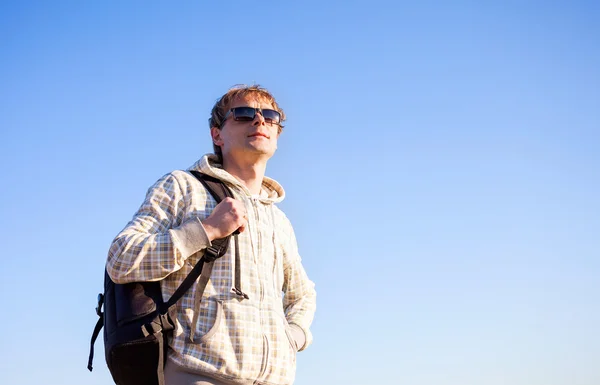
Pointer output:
x,y
253,140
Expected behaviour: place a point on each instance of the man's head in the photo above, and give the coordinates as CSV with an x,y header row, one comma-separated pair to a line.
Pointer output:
x,y
235,128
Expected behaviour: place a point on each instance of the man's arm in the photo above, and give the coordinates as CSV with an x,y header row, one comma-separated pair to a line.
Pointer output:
x,y
155,243
299,300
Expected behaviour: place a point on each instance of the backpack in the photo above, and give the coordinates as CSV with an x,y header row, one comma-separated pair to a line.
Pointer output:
x,y
136,320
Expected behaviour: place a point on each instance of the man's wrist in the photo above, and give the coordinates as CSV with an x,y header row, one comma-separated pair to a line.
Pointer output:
x,y
190,237
209,230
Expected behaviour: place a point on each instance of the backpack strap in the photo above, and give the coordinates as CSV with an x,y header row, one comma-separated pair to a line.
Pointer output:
x,y
97,329
237,288
204,277
219,191
218,248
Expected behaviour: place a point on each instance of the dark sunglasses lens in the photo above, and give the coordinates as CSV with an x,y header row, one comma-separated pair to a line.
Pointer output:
x,y
271,116
244,114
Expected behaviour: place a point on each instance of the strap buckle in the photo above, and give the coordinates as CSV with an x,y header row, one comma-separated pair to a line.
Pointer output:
x,y
212,253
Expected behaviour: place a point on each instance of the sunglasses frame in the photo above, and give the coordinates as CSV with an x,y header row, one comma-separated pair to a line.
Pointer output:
x,y
256,110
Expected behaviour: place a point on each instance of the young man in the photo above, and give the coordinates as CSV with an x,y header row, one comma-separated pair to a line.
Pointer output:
x,y
251,319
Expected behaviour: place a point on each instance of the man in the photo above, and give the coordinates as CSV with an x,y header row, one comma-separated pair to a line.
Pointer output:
x,y
241,330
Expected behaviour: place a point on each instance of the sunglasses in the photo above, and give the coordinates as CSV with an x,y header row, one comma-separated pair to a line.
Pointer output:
x,y
247,114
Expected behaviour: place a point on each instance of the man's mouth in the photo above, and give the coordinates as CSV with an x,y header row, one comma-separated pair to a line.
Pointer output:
x,y
258,134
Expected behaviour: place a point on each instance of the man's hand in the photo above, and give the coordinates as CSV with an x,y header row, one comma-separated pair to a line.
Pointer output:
x,y
228,216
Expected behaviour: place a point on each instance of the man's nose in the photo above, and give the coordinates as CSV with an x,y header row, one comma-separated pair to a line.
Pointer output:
x,y
259,119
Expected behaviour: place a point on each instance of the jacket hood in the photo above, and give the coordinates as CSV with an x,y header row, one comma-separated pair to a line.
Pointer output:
x,y
271,191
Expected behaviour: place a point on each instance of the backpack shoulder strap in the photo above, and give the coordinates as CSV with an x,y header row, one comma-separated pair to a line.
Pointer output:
x,y
215,187
219,191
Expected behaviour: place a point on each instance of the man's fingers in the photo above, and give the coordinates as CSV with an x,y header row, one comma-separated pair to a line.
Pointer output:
x,y
237,208
244,223
230,216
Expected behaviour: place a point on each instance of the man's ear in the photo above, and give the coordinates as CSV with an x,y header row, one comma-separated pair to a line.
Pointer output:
x,y
215,133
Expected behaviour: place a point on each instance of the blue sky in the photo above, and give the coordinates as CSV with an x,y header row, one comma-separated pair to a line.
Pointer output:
x,y
441,163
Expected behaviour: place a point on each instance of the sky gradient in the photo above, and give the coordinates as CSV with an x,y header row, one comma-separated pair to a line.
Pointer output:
x,y
441,164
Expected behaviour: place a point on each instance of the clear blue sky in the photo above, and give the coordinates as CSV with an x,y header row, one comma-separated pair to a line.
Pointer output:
x,y
441,164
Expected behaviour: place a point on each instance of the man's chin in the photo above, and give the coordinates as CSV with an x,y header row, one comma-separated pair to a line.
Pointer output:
x,y
262,149
258,152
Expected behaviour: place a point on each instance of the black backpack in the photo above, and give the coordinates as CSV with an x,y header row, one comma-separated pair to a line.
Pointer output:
x,y
136,320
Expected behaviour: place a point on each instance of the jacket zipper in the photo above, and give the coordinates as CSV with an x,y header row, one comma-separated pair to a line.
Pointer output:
x,y
259,248
258,262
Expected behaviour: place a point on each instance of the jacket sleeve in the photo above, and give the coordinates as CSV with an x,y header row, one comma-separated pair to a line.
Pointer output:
x,y
299,299
155,243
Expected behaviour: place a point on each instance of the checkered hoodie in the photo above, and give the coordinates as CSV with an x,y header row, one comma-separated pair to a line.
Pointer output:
x,y
236,340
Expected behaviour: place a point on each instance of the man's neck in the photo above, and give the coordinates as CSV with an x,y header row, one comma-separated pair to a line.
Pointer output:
x,y
250,175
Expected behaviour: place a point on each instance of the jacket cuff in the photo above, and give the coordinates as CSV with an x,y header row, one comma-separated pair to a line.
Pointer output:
x,y
190,237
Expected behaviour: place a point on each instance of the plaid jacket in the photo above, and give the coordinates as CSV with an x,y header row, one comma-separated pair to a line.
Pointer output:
x,y
243,341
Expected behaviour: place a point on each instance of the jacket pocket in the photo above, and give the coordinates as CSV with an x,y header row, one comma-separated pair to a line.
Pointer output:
x,y
209,321
233,345
290,336
216,325
281,368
